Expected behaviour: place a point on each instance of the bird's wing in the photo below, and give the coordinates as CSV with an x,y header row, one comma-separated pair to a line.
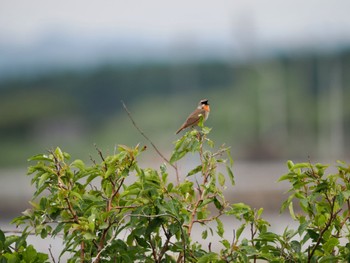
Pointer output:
x,y
192,120
194,117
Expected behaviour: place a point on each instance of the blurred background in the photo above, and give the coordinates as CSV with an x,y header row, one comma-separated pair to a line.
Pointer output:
x,y
276,74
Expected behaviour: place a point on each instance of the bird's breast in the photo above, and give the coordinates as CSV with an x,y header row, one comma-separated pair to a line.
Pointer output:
x,y
206,115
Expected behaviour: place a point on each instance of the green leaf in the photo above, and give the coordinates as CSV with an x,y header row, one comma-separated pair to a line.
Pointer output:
x,y
43,233
228,152
58,228
177,156
30,254
40,157
59,154
11,258
206,130
221,179
122,147
303,224
301,166
43,203
195,170
77,195
170,187
110,171
89,236
268,236
210,143
290,164
220,227
226,244
210,257
286,177
230,175
239,231
313,234
186,187
217,203
291,211
321,187
164,173
321,220
92,177
330,244
10,240
2,237
205,234
205,202
179,143
153,225
78,164
42,179
296,246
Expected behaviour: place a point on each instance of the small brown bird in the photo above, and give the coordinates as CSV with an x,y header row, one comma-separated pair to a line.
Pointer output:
x,y
192,120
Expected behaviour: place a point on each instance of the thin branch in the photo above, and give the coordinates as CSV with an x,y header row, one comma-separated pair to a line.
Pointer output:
x,y
101,155
166,244
57,163
253,232
82,251
153,145
220,152
210,219
328,224
71,210
92,160
201,189
233,237
51,255
125,206
154,252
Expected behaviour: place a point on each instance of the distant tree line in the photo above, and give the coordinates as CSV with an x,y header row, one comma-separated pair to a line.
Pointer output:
x,y
91,94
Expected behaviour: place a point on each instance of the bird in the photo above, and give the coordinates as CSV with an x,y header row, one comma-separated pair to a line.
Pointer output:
x,y
193,119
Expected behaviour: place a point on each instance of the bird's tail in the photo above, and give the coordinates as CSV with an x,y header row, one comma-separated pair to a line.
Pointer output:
x,y
181,128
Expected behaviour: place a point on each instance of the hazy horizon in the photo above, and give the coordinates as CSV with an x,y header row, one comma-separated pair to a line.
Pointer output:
x,y
44,34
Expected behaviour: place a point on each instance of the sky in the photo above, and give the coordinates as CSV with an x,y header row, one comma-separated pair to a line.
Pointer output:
x,y
23,21
38,31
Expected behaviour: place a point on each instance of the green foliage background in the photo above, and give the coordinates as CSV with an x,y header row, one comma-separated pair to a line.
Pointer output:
x,y
252,103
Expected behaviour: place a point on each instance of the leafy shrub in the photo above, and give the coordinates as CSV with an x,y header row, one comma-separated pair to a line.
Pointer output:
x,y
116,211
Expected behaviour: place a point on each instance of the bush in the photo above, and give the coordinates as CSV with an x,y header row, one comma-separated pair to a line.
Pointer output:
x,y
116,211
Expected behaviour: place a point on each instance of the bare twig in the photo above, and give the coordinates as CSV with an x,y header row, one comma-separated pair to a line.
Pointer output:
x,y
51,255
153,145
154,251
92,160
210,219
101,155
253,232
233,237
166,244
82,251
71,210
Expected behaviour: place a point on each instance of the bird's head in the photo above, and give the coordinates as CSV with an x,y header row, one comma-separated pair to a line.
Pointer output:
x,y
203,104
